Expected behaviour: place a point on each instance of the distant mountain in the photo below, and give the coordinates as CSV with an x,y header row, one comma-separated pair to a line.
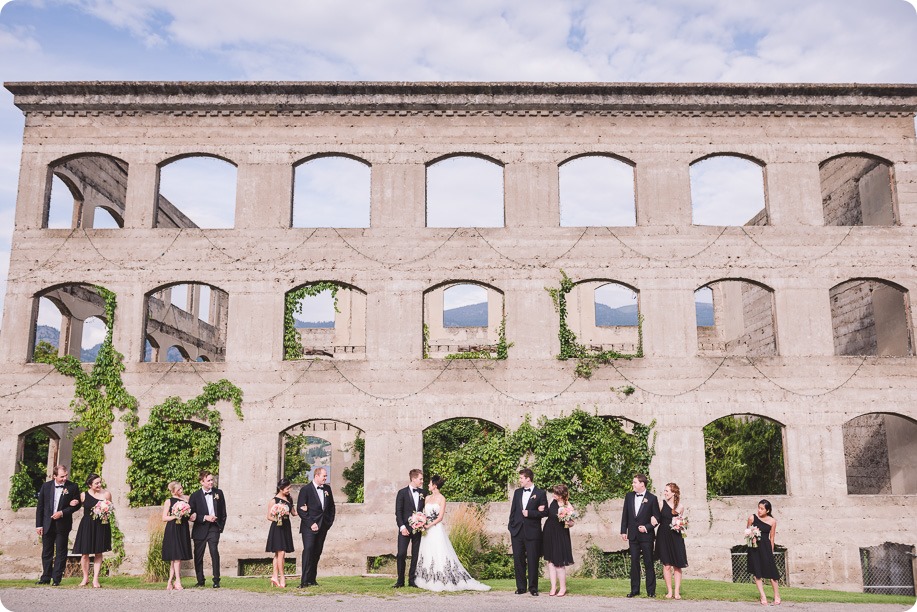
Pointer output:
x,y
46,333
313,324
473,315
704,314
606,316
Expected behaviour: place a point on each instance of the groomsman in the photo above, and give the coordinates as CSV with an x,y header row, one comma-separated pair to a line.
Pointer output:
x,y
528,508
315,506
408,501
209,506
640,506
58,499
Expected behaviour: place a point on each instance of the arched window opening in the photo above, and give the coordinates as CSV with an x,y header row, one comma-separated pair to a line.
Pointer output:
x,y
728,190
462,317
870,317
190,319
880,452
735,317
604,314
36,455
744,455
465,191
334,445
325,320
455,446
87,191
597,190
857,190
197,191
68,320
331,191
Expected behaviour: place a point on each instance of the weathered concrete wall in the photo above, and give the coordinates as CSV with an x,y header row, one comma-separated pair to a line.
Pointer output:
x,y
392,394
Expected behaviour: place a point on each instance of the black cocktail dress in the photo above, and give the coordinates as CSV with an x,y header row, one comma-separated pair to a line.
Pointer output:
x,y
761,562
670,546
280,537
176,541
92,536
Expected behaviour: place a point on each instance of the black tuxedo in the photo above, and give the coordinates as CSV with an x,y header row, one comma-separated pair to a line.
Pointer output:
x,y
525,536
55,532
313,541
404,508
640,543
206,534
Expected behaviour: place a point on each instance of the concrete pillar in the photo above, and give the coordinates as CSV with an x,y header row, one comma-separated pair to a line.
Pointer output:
x,y
114,470
663,190
680,459
531,322
494,314
398,195
803,316
433,307
391,453
393,325
904,185
260,305
669,320
793,194
812,449
531,195
129,334
17,331
264,195
34,191
142,195
71,336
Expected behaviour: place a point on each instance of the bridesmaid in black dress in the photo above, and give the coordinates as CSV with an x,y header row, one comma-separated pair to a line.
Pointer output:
x,y
93,537
557,549
761,562
280,534
670,546
176,541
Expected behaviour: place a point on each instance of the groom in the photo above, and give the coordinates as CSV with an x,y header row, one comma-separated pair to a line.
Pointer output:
x,y
640,506
315,506
408,501
209,507
528,508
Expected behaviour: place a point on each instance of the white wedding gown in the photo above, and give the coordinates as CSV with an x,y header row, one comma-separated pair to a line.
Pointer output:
x,y
438,567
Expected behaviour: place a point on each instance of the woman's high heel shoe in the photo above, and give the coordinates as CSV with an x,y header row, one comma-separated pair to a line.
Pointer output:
x,y
275,583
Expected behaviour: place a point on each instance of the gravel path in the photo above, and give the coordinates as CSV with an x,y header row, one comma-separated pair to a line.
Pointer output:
x,y
226,600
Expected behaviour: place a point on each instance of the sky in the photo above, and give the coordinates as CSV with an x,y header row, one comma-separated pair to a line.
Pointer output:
x,y
868,41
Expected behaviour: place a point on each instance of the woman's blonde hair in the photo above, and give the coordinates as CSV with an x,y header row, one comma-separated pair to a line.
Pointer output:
x,y
174,486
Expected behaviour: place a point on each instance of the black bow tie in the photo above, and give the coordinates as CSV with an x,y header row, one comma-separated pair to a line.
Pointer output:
x,y
639,494
527,490
415,490
208,492
58,486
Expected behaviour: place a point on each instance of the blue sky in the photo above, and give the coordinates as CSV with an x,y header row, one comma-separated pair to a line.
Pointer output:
x,y
870,41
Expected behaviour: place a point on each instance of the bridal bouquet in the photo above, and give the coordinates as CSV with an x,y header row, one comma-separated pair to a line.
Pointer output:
x,y
103,511
279,512
417,522
180,510
680,525
566,514
752,535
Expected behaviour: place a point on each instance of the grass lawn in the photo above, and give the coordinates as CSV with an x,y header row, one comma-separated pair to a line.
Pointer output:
x,y
695,589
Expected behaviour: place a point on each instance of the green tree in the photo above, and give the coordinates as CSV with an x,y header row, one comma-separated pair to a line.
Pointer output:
x,y
354,474
295,467
744,456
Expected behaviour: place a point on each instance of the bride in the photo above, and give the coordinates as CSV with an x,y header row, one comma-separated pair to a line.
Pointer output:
x,y
438,567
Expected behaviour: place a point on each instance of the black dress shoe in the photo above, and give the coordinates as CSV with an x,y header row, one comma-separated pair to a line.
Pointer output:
x,y
632,594
520,592
43,582
55,583
534,593
311,583
216,585
413,585
198,584
651,595
398,585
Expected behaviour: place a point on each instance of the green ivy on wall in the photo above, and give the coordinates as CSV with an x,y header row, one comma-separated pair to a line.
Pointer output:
x,y
354,475
500,352
592,455
569,347
172,447
292,345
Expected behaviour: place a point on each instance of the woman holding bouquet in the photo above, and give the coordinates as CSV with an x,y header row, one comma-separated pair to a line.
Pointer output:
x,y
670,543
280,533
176,541
761,562
557,549
93,537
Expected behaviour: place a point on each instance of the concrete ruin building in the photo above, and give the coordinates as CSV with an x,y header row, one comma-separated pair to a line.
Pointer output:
x,y
809,323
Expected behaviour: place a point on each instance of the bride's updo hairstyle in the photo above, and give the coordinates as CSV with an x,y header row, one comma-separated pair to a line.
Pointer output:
x,y
437,481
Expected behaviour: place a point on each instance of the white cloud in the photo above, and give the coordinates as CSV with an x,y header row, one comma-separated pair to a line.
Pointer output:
x,y
726,190
203,188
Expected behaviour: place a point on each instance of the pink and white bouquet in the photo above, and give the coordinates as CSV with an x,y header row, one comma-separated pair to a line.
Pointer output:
x,y
279,512
180,510
566,515
680,525
752,535
417,522
103,511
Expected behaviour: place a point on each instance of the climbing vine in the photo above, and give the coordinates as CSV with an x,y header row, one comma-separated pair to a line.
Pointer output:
x,y
172,447
571,349
292,345
500,352
426,341
354,475
591,454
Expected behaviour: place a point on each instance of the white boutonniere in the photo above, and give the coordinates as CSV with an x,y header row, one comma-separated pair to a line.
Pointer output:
x,y
326,493
420,496
64,492
216,496
646,501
